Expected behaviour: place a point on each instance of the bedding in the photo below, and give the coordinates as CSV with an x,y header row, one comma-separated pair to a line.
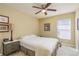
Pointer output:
x,y
41,45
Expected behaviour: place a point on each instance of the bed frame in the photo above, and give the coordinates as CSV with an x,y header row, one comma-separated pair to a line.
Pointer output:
x,y
27,51
32,53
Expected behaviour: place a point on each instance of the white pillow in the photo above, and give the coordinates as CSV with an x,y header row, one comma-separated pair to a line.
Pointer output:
x,y
28,36
33,35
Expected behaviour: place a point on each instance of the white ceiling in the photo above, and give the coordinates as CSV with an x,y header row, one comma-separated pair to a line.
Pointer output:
x,y
60,7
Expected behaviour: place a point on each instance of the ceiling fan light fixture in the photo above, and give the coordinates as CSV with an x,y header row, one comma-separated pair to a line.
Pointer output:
x,y
43,10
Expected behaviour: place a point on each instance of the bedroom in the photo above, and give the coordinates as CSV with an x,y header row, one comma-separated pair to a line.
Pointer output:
x,y
25,23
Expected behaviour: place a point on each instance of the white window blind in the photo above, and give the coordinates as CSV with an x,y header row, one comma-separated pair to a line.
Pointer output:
x,y
64,28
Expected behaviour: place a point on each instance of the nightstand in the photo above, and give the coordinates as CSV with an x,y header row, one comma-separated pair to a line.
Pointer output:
x,y
10,47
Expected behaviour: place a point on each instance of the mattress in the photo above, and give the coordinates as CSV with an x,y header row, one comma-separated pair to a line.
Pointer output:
x,y
41,45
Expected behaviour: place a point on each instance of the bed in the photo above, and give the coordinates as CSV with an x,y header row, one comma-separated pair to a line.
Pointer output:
x,y
39,46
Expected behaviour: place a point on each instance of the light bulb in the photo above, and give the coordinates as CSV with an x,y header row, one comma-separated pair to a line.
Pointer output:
x,y
43,11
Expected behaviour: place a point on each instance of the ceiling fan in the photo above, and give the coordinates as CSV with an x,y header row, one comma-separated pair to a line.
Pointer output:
x,y
44,8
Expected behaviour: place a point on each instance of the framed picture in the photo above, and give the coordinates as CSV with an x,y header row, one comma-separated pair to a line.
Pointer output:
x,y
47,27
77,23
4,19
4,28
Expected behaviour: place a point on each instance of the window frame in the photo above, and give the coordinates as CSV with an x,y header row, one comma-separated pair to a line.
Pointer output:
x,y
69,29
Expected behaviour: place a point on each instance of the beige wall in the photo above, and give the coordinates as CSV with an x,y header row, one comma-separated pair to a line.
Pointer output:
x,y
53,27
23,24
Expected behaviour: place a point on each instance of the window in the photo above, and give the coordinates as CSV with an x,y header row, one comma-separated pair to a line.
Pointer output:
x,y
64,29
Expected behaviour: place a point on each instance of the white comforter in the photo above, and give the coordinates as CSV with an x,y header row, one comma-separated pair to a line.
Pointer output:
x,y
42,46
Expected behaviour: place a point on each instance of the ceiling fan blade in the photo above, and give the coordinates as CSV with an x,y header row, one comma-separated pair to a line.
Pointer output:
x,y
48,4
45,13
36,7
38,12
51,9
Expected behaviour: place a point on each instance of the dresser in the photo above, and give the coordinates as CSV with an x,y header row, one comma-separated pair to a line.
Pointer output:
x,y
10,47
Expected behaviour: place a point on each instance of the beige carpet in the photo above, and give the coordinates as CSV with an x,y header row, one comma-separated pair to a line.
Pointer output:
x,y
67,51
